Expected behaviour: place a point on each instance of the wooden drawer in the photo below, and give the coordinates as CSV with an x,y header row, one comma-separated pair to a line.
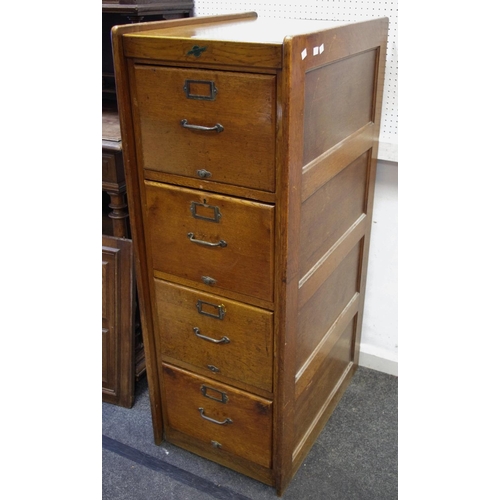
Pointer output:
x,y
232,420
183,223
243,153
223,337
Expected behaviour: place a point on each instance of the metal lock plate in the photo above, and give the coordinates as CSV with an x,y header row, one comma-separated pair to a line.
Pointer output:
x,y
211,310
201,90
204,211
215,394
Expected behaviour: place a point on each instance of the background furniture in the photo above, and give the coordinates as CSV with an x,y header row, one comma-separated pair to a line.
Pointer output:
x,y
116,12
123,360
251,148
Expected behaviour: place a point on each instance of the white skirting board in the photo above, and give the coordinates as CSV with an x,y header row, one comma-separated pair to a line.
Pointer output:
x,y
388,151
378,359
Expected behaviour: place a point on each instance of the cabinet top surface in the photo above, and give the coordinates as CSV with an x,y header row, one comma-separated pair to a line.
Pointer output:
x,y
245,29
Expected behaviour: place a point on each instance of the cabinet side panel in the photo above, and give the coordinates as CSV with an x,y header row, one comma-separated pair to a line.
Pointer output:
x,y
318,394
331,211
338,102
319,314
335,217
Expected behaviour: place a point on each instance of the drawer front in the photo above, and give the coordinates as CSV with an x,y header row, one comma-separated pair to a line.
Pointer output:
x,y
242,152
220,241
221,336
232,420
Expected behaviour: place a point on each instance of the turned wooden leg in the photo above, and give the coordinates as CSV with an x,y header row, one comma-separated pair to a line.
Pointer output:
x,y
118,214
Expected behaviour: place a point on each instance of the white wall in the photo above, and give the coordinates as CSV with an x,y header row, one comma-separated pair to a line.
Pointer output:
x,y
379,337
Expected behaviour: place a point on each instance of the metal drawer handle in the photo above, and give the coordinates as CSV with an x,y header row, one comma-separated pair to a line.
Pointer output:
x,y
216,128
221,243
223,340
224,422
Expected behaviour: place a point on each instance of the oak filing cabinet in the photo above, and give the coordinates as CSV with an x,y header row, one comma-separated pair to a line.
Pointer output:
x,y
250,148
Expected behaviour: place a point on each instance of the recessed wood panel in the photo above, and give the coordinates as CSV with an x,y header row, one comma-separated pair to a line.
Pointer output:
x,y
117,321
338,102
319,391
106,291
331,211
324,307
110,262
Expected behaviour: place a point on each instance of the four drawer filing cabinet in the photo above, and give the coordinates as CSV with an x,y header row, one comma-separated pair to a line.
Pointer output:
x,y
250,148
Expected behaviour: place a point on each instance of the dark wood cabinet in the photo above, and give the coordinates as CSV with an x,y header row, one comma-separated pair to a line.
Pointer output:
x,y
118,332
123,358
250,149
117,12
